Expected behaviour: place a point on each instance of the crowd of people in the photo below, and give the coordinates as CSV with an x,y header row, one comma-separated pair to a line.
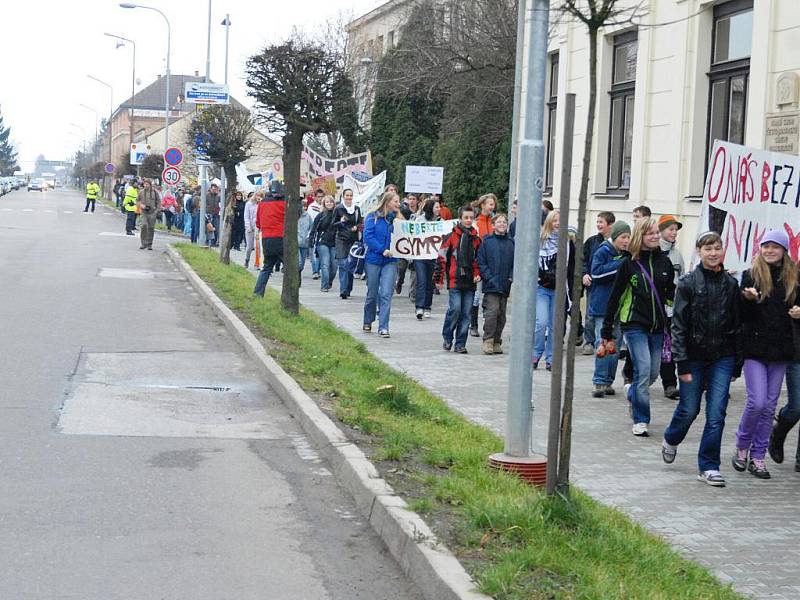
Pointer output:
x,y
697,331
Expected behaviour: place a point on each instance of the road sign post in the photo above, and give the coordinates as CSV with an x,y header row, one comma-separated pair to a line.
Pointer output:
x,y
171,176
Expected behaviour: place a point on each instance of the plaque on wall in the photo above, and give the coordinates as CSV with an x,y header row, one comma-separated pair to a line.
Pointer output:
x,y
782,133
786,89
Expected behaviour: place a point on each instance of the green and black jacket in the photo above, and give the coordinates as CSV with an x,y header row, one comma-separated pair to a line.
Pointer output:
x,y
632,300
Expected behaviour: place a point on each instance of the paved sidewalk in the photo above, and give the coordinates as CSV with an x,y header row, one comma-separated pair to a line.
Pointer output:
x,y
747,533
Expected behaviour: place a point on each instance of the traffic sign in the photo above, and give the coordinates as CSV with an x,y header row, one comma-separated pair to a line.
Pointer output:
x,y
138,152
197,92
109,168
171,175
173,156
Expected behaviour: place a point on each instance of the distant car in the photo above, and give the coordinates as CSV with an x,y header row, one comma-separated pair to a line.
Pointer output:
x,y
37,185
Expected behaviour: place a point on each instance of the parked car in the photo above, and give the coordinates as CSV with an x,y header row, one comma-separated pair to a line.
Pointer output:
x,y
37,185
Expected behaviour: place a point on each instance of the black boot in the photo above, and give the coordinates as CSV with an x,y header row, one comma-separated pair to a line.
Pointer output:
x,y
776,439
473,322
797,456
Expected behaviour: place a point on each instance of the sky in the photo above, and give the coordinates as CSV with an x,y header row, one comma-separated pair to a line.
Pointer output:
x,y
48,47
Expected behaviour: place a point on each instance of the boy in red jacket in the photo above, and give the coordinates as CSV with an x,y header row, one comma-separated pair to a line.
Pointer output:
x,y
269,221
458,262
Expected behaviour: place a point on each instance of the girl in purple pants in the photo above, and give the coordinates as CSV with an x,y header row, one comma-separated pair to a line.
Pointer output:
x,y
768,311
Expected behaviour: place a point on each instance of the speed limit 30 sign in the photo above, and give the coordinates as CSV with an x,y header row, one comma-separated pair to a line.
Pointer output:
x,y
171,176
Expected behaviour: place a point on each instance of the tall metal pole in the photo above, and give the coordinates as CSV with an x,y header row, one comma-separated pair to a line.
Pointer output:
x,y
96,119
201,235
519,417
227,23
515,125
133,81
559,326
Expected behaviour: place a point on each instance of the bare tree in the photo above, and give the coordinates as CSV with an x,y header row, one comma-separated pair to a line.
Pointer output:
x,y
227,139
300,86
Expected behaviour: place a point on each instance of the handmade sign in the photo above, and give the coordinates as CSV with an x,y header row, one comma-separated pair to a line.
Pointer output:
x,y
419,240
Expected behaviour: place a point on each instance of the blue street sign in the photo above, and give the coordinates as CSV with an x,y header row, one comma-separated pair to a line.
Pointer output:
x,y
173,156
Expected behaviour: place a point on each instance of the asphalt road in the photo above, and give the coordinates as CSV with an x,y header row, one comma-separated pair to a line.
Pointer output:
x,y
141,455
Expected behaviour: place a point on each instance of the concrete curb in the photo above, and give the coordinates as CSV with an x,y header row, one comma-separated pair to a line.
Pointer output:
x,y
428,563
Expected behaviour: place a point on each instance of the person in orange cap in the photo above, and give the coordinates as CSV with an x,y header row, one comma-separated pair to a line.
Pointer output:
x,y
668,225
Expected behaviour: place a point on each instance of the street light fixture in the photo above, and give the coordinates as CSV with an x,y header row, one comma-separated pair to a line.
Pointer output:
x,y
121,42
169,39
227,23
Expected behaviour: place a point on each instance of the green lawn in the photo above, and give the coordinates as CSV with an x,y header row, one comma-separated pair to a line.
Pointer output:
x,y
515,541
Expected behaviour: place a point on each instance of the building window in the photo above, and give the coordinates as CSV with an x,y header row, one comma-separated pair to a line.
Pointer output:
x,y
550,141
730,72
622,94
390,40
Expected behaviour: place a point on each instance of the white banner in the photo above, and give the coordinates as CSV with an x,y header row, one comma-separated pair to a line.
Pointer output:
x,y
419,239
748,192
424,180
366,194
318,165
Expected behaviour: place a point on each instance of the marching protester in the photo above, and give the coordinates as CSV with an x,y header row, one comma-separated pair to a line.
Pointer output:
x,y
381,266
323,235
458,263
196,214
92,191
149,203
409,208
640,212
484,210
605,264
304,226
445,213
187,214
212,215
250,209
669,226
269,221
119,192
237,234
769,313
169,208
512,227
707,347
347,217
643,289
789,415
131,205
546,290
496,266
423,296
314,208
603,223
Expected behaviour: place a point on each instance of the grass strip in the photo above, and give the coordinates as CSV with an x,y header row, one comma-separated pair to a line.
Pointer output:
x,y
515,541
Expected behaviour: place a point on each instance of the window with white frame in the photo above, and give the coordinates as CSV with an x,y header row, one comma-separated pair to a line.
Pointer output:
x,y
622,97
550,140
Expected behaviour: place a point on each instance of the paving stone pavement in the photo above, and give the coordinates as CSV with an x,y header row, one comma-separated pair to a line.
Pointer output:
x,y
745,533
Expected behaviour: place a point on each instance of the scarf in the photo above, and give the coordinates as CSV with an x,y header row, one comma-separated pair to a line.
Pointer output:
x,y
465,257
549,246
350,209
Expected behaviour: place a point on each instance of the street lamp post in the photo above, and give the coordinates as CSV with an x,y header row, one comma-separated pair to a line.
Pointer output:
x,y
108,124
120,42
227,23
96,119
169,40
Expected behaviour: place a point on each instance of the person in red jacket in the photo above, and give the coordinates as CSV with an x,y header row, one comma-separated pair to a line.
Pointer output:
x,y
458,259
269,221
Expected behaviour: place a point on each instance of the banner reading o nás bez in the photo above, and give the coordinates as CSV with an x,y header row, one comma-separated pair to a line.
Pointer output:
x,y
749,192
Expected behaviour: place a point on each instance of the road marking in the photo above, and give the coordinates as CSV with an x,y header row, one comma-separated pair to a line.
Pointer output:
x,y
27,210
113,233
7,210
105,213
67,212
47,210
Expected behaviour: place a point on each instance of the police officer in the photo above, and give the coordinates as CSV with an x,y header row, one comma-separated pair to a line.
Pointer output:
x,y
129,204
149,203
92,190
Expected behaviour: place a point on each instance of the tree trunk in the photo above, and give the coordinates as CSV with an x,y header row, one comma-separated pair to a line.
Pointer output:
x,y
569,385
292,148
230,214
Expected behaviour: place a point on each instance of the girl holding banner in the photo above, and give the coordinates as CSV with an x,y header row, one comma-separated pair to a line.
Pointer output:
x,y
323,240
347,218
769,312
423,296
381,265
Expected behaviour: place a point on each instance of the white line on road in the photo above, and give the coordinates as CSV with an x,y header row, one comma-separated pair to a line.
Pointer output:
x,y
67,212
27,210
7,210
47,210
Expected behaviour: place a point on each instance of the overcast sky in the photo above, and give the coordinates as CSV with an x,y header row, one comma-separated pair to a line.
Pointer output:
x,y
48,47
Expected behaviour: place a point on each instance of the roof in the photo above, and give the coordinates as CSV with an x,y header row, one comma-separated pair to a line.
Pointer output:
x,y
384,8
152,97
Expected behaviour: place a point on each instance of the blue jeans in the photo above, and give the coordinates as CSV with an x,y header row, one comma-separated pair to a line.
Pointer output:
x,y
605,369
423,296
791,412
590,330
345,278
715,379
456,321
327,266
543,340
216,234
302,253
645,351
195,227
380,286
314,263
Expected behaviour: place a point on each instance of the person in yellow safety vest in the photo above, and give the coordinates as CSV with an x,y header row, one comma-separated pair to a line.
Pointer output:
x,y
92,191
130,203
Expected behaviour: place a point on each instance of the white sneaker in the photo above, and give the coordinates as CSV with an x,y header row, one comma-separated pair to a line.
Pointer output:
x,y
419,314
427,314
712,477
640,429
627,388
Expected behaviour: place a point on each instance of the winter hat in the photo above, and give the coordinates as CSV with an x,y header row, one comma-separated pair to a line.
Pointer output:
x,y
618,228
665,221
776,236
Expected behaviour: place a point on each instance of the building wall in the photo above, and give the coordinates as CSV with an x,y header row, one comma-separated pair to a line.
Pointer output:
x,y
670,121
